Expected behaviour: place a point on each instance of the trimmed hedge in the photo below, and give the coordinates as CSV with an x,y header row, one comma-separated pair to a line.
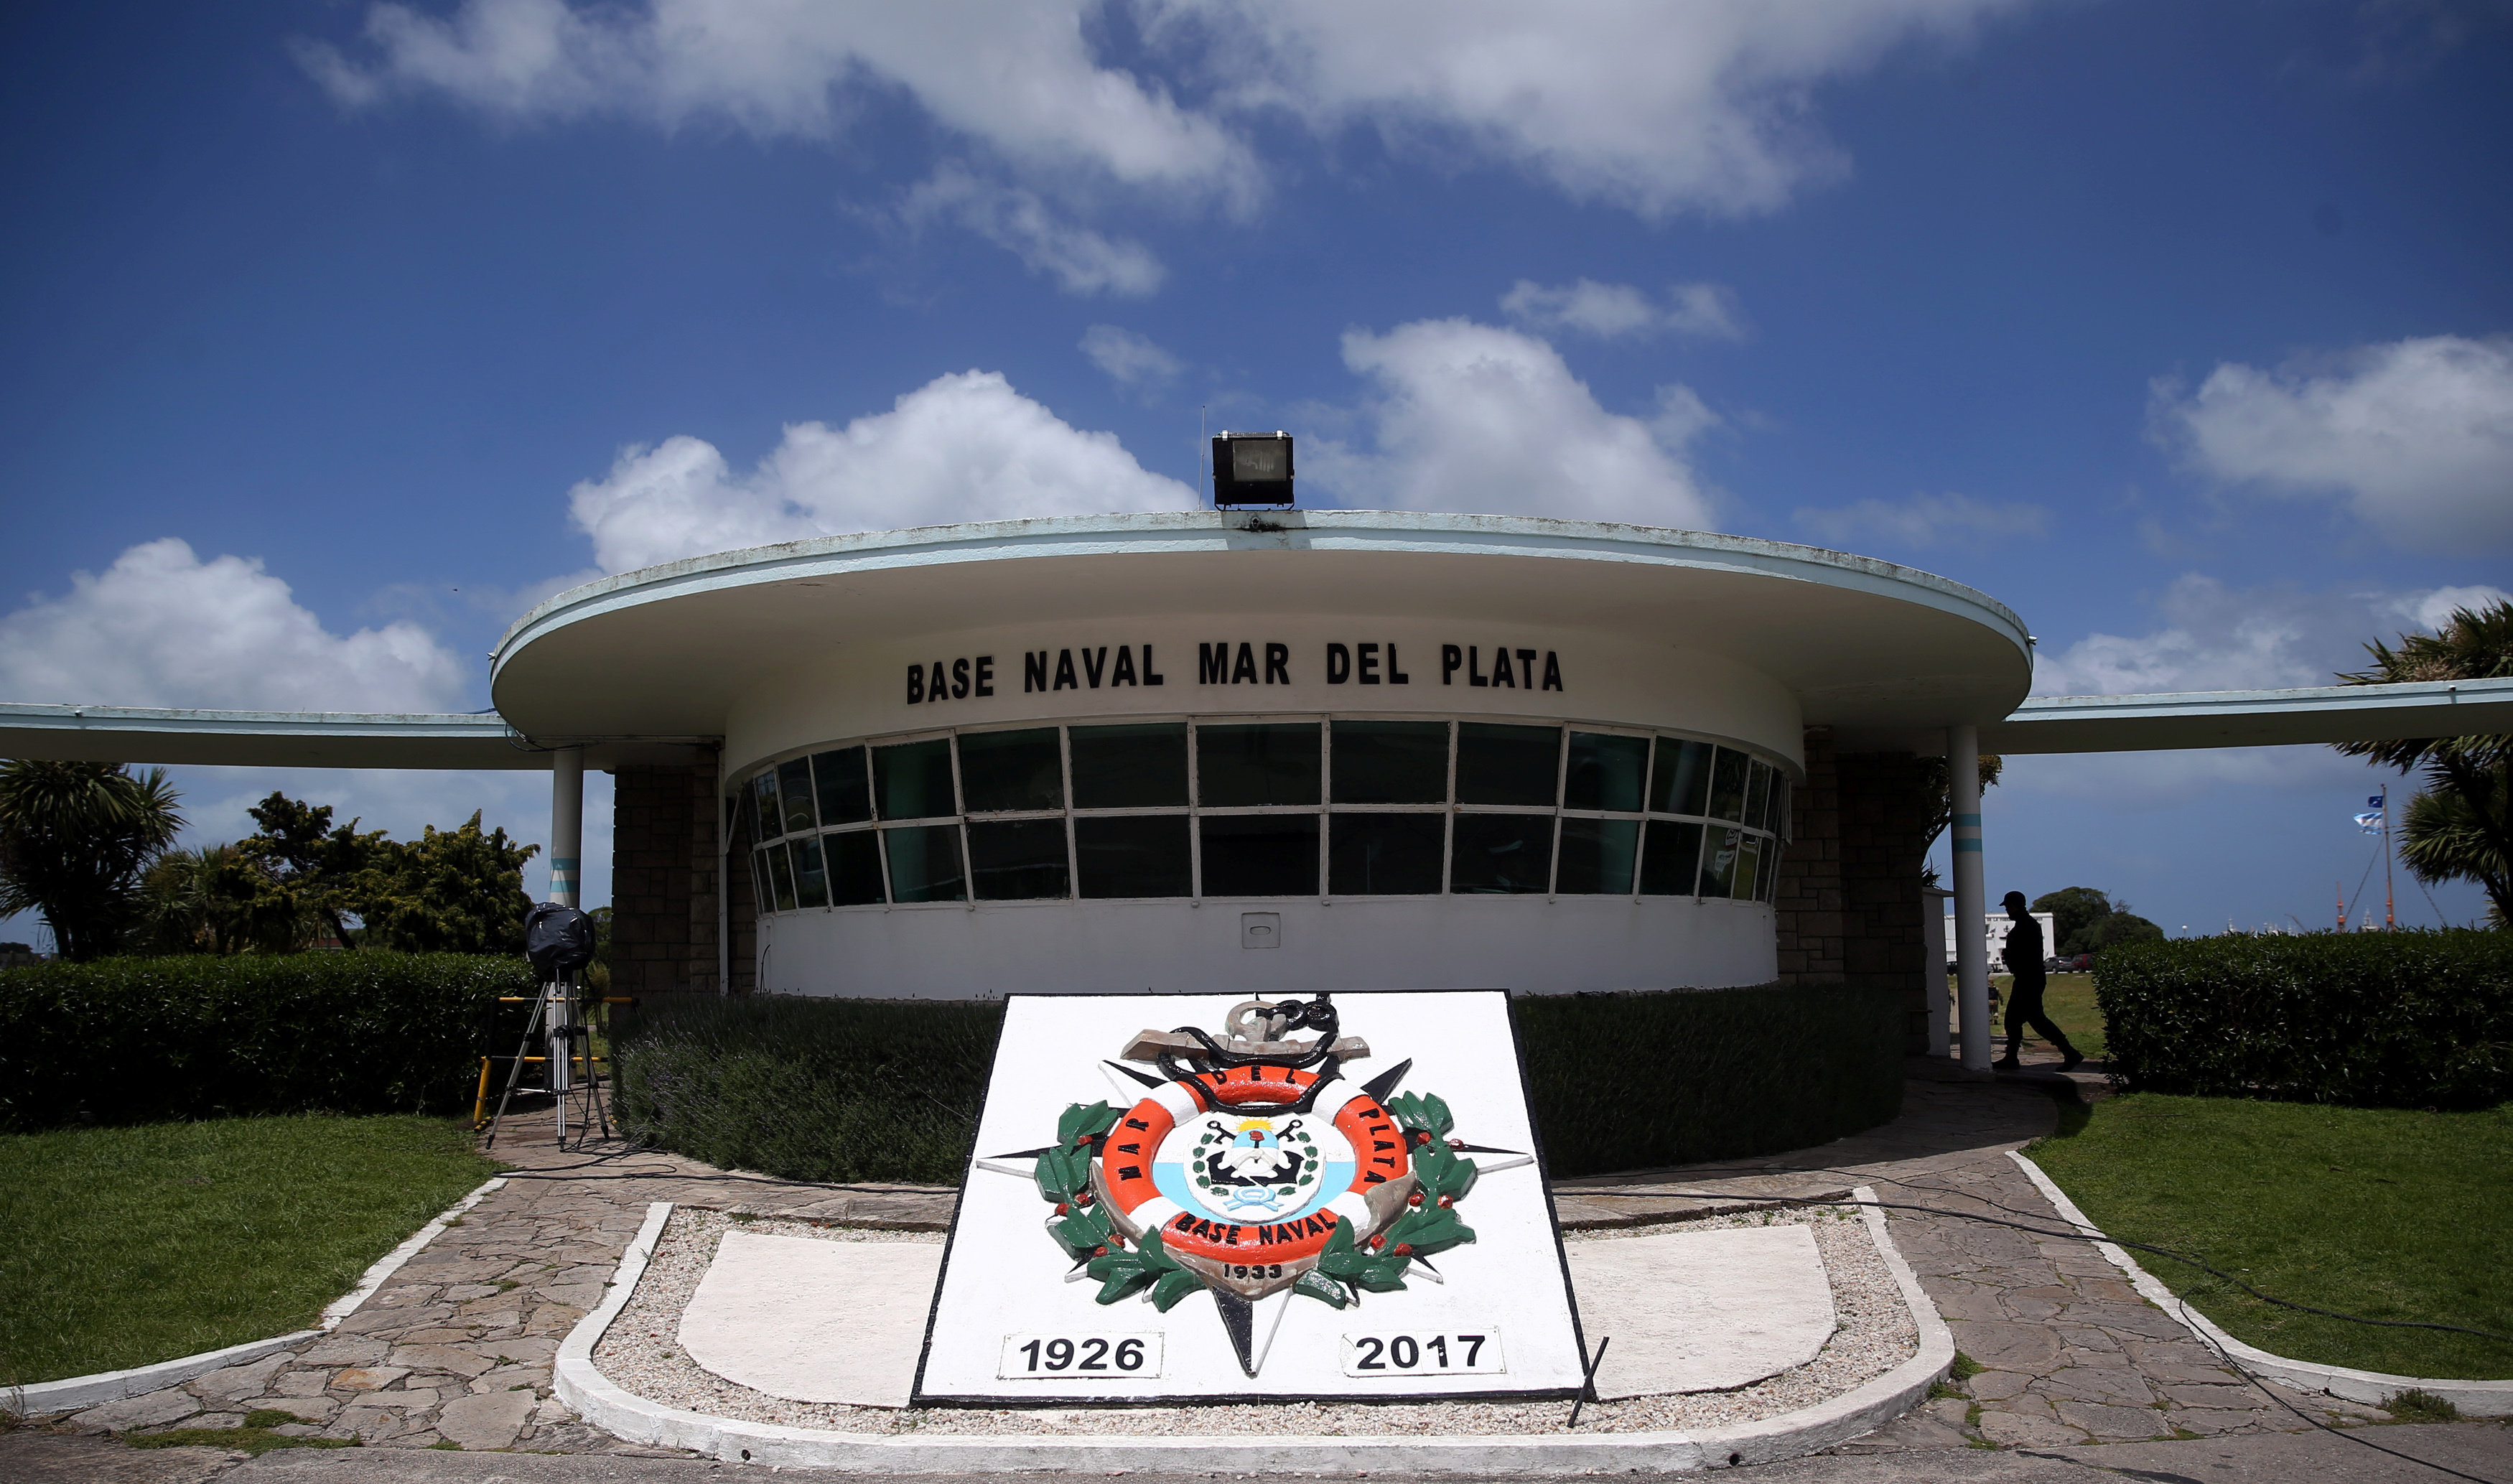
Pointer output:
x,y
2420,1018
1628,1081
807,1089
855,1090
136,1040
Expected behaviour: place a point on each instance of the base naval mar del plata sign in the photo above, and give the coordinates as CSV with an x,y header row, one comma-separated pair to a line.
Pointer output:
x,y
1206,1198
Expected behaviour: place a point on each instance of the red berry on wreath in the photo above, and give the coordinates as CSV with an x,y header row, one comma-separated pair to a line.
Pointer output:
x,y
1099,1252
1405,1248
1062,1209
1447,1202
1414,1199
1378,1242
1456,1144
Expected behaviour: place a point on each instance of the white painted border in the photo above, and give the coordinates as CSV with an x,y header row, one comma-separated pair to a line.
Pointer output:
x,y
78,1392
2475,1398
599,1401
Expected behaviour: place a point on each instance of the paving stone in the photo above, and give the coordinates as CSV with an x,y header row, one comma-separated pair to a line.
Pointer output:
x,y
250,1379
312,1409
366,1424
309,1383
2111,1423
463,1293
441,1357
2210,1422
489,1421
2111,1385
153,1410
2007,1346
342,1350
2013,1429
521,1349
1998,1385
368,1378
415,1399
2230,1394
582,1296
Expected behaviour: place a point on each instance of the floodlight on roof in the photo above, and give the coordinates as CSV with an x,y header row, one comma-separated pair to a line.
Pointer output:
x,y
1252,469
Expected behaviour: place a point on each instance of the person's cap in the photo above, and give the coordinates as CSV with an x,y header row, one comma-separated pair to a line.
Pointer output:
x,y
2014,900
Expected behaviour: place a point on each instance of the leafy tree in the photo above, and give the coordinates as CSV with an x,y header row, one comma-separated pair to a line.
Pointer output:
x,y
2072,909
315,861
2464,834
2088,921
74,838
456,890
218,899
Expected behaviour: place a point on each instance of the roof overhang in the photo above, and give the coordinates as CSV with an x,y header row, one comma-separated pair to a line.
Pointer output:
x,y
2331,713
307,740
671,648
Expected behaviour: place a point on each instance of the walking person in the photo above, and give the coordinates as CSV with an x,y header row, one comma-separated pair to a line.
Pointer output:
x,y
2024,954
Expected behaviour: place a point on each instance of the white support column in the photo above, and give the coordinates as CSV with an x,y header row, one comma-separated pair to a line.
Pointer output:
x,y
566,825
1972,945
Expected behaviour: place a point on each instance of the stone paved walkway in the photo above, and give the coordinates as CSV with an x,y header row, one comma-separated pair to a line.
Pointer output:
x,y
457,1347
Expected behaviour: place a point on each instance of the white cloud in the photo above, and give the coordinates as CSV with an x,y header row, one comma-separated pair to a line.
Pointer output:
x,y
1130,361
1022,223
2418,434
161,627
1015,76
1705,107
2219,638
1925,520
1471,418
2431,611
961,448
1610,310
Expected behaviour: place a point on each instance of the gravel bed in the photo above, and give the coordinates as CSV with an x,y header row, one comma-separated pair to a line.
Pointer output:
x,y
1874,1334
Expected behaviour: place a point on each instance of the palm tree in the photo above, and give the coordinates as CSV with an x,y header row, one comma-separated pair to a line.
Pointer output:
x,y
74,838
2456,828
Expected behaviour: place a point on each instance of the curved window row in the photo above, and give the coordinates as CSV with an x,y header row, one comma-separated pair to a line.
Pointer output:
x,y
1346,807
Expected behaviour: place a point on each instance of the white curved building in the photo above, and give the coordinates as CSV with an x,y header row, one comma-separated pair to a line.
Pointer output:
x,y
1291,751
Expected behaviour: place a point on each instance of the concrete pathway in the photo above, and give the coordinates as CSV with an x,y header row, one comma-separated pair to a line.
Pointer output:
x,y
456,1348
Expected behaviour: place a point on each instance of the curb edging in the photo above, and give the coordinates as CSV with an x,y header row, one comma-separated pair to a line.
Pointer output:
x,y
595,1397
2474,1398
77,1392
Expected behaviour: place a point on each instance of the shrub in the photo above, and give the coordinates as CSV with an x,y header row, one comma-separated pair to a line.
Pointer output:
x,y
131,1040
852,1090
1627,1081
2418,1019
808,1089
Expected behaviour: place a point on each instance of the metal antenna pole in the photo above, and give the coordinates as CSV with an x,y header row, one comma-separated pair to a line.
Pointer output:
x,y
2390,923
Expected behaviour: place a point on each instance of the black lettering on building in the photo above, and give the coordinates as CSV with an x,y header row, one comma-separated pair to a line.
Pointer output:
x,y
1095,665
1212,663
1244,671
1034,672
1065,680
959,680
1125,675
1339,664
915,684
985,674
1450,662
1369,664
1278,664
1475,665
1396,676
1151,676
935,685
1552,671
1501,669
1527,668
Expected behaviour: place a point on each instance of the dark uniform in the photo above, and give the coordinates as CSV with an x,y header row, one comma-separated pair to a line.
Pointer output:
x,y
2023,955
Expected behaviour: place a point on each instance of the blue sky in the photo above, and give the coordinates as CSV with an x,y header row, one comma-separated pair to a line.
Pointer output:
x,y
337,334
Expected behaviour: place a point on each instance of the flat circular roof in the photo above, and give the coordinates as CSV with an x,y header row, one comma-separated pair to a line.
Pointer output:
x,y
666,651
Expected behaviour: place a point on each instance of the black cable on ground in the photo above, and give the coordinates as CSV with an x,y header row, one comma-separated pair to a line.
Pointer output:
x,y
2160,1251
2271,1392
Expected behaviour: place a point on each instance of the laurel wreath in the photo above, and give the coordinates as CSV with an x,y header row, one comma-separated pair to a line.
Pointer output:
x,y
1346,1268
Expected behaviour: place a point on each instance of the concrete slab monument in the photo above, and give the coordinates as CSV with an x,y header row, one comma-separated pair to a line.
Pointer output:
x,y
1207,1197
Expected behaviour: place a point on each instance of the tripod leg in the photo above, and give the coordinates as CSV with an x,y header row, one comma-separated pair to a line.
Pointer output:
x,y
513,1073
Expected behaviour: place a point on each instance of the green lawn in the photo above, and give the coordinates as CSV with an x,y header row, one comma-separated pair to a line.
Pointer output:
x,y
2377,1212
119,1246
2069,1000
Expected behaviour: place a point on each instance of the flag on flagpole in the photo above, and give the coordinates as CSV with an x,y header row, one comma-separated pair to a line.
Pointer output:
x,y
2376,817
